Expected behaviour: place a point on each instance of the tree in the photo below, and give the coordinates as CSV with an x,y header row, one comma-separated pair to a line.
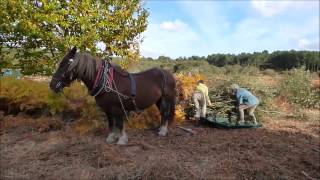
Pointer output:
x,y
164,58
284,60
42,29
312,60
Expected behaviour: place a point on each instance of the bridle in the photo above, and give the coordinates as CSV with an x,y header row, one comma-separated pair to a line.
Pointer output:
x,y
62,79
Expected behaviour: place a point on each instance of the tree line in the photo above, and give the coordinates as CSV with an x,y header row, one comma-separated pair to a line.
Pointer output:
x,y
278,60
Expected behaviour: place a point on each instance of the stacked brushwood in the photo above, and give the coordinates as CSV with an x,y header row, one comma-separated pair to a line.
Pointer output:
x,y
223,104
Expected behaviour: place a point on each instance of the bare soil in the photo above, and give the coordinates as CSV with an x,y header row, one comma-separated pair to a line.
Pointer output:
x,y
281,149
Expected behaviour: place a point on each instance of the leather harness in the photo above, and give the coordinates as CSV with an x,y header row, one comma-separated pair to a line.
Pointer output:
x,y
104,79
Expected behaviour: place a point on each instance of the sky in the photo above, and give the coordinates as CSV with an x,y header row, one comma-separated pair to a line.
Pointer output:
x,y
193,27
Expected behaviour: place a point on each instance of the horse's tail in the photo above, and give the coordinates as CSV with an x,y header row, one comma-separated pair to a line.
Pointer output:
x,y
164,82
168,95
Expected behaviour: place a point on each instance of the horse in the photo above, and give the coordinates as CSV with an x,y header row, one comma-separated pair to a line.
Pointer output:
x,y
117,91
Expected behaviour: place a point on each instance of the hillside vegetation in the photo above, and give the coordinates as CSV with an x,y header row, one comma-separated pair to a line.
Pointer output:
x,y
293,87
45,135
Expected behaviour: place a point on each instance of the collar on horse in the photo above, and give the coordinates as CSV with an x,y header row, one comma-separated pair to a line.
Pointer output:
x,y
104,80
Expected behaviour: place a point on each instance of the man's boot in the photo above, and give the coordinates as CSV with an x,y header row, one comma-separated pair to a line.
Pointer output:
x,y
202,120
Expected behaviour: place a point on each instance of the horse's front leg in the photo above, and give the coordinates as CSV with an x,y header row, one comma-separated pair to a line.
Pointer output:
x,y
123,139
114,131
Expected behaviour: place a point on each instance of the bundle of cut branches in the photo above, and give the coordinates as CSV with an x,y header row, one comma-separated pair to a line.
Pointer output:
x,y
223,104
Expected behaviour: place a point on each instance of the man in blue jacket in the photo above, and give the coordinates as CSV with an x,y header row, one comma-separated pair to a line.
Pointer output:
x,y
246,100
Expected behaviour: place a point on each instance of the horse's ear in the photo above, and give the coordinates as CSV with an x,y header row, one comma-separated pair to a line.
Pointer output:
x,y
73,64
73,51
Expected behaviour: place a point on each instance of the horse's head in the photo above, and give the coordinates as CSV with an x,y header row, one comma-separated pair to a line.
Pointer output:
x,y
64,74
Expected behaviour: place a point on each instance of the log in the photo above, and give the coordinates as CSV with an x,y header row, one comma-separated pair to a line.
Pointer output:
x,y
307,176
186,129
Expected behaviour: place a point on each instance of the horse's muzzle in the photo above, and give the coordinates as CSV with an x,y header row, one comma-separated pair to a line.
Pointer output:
x,y
56,85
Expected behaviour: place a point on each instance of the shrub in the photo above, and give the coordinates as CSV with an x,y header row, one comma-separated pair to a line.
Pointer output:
x,y
186,84
269,72
233,69
28,94
180,114
149,118
249,70
296,87
23,94
192,66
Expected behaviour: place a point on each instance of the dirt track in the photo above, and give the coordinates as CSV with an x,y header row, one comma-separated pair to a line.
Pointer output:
x,y
282,149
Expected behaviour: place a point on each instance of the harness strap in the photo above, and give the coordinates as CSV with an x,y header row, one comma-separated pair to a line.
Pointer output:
x,y
133,91
100,79
110,77
104,82
97,77
165,81
133,85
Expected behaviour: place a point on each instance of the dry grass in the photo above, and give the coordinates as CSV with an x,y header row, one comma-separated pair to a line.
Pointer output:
x,y
282,149
41,124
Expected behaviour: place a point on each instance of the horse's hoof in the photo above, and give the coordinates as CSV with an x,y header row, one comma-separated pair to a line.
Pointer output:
x,y
162,133
122,141
111,139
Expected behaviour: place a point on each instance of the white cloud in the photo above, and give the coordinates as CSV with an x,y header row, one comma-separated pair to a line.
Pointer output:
x,y
303,43
253,34
209,29
176,25
171,42
307,44
208,16
272,8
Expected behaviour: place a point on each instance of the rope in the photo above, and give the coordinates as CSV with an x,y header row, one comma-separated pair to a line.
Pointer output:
x,y
125,112
107,86
106,81
104,74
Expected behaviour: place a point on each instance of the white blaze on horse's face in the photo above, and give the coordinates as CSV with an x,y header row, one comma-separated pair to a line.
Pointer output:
x,y
70,60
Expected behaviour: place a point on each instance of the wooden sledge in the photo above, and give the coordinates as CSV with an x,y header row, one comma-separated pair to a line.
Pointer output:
x,y
226,123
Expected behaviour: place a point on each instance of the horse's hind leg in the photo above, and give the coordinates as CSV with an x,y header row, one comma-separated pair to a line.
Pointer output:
x,y
165,108
163,128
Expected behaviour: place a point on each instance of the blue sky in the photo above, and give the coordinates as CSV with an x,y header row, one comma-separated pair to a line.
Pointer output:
x,y
186,28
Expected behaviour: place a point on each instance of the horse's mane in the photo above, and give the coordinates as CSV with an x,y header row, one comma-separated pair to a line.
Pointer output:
x,y
85,65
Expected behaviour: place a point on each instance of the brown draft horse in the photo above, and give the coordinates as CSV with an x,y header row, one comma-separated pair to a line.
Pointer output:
x,y
153,86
